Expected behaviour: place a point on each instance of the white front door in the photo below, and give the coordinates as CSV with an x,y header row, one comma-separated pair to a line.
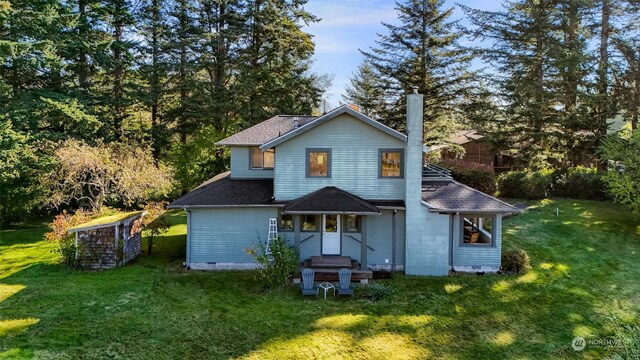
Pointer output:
x,y
330,234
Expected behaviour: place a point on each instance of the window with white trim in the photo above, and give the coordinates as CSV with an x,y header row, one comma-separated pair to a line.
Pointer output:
x,y
476,230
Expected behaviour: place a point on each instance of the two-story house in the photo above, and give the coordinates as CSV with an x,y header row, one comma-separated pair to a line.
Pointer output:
x,y
342,184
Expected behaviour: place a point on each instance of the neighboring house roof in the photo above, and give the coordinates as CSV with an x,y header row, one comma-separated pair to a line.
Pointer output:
x,y
344,109
266,130
330,200
222,191
452,196
458,138
464,136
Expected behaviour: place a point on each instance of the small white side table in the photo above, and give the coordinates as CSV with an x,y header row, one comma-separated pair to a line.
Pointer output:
x,y
326,286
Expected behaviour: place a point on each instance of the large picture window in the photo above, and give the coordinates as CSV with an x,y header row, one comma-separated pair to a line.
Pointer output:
x,y
262,159
477,230
318,163
391,163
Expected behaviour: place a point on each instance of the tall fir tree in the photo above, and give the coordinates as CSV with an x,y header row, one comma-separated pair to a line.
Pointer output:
x,y
274,61
522,44
423,52
365,91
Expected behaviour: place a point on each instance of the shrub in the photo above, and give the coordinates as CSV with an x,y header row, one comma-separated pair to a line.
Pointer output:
x,y
59,235
155,222
579,183
378,291
478,176
276,268
575,183
515,261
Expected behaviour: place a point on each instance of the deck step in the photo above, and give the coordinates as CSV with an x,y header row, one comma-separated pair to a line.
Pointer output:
x,y
331,275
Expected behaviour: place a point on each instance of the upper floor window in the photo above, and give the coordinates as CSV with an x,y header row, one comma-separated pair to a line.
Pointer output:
x,y
318,162
477,230
391,163
262,159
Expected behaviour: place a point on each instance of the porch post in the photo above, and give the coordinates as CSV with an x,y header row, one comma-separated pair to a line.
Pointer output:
x,y
363,244
393,239
297,224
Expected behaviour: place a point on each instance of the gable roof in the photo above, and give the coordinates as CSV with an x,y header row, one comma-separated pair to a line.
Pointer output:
x,y
266,130
452,196
344,109
330,200
222,191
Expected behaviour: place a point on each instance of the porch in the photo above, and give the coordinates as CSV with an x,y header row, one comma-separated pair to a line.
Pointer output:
x,y
330,226
327,267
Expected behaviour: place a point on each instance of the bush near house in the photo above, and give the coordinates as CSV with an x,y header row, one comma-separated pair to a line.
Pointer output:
x,y
276,267
516,261
574,183
478,176
65,245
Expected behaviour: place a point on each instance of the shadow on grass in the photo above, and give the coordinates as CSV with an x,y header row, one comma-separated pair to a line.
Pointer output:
x,y
153,308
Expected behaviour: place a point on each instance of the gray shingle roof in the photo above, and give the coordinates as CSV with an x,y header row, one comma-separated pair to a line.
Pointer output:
x,y
224,191
266,130
330,200
450,196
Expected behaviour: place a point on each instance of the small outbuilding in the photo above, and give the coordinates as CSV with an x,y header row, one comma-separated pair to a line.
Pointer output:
x,y
110,241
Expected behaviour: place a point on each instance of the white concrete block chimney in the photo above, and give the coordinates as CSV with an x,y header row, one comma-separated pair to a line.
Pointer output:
x,y
427,233
413,172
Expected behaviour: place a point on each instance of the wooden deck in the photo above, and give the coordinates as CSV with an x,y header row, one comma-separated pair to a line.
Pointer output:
x,y
327,268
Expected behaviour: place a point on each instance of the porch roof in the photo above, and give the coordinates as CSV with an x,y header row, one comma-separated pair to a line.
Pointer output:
x,y
330,200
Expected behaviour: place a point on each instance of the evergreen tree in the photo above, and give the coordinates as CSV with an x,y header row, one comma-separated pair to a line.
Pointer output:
x,y
274,62
523,45
365,90
423,52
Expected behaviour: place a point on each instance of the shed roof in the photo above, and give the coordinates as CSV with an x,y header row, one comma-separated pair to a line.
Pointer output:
x,y
106,221
452,196
330,200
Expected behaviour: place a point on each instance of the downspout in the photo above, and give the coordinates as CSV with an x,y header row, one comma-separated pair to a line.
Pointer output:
x,y
451,217
188,255
393,240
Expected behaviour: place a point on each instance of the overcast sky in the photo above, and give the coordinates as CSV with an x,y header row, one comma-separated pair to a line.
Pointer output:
x,y
349,25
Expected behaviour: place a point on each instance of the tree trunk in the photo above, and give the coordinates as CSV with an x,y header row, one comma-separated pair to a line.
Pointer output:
x,y
118,71
155,81
603,68
82,53
183,71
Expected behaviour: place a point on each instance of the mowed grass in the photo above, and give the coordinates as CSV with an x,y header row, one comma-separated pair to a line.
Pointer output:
x,y
586,269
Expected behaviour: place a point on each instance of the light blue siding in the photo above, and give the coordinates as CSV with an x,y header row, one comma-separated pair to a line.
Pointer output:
x,y
351,247
241,168
477,255
220,235
354,161
379,237
311,246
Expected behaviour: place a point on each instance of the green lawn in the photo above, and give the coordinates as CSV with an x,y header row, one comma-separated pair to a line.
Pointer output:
x,y
586,269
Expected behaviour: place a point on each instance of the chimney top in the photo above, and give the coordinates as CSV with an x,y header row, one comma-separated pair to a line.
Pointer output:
x,y
415,89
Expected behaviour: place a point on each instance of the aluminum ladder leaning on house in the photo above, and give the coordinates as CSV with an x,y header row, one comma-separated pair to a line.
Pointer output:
x,y
273,234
